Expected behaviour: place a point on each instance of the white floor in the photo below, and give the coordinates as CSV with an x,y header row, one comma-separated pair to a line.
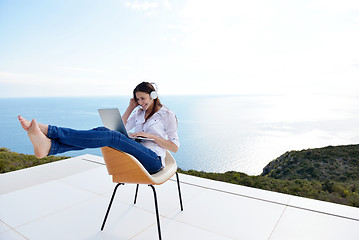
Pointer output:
x,y
68,200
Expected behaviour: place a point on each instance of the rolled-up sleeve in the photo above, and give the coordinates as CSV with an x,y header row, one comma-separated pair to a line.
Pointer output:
x,y
171,129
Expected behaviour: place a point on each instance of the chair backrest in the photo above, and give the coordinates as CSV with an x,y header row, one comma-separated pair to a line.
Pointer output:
x,y
125,168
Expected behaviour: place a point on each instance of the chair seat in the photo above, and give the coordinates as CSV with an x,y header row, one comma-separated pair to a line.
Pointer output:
x,y
125,168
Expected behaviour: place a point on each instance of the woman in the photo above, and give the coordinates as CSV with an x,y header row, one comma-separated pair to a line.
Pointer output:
x,y
145,114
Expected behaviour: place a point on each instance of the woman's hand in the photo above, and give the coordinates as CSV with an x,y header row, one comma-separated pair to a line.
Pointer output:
x,y
166,144
144,135
131,106
133,103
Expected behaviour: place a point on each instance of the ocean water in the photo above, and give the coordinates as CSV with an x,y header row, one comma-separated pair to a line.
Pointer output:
x,y
217,133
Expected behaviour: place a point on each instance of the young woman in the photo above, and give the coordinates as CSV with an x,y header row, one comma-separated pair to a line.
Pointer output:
x,y
145,113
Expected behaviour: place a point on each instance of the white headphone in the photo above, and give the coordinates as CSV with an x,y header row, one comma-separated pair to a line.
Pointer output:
x,y
154,94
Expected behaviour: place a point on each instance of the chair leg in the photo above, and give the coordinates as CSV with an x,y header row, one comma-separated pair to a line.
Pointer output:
x,y
179,191
109,206
157,215
134,202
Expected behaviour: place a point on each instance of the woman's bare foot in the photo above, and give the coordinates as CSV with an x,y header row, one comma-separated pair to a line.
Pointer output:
x,y
40,142
25,124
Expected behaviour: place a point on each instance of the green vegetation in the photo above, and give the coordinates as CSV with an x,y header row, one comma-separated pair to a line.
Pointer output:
x,y
340,163
328,174
11,161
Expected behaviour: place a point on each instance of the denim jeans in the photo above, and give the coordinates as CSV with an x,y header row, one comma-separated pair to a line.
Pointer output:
x,y
66,139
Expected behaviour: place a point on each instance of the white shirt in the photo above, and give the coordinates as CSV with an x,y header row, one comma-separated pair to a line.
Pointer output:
x,y
163,124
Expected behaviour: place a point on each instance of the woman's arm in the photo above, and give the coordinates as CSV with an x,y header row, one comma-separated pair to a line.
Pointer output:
x,y
166,144
132,105
163,143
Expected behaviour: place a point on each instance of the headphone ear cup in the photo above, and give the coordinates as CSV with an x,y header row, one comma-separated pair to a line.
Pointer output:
x,y
153,95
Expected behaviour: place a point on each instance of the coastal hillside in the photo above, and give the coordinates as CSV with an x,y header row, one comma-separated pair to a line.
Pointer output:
x,y
328,174
339,163
12,161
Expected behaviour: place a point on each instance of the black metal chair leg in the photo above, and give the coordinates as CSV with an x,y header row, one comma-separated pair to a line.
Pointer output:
x,y
109,206
134,202
179,191
157,215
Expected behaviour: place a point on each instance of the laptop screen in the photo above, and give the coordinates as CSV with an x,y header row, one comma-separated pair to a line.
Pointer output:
x,y
111,118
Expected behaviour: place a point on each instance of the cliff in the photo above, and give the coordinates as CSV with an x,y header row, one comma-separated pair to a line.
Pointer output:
x,y
339,163
328,174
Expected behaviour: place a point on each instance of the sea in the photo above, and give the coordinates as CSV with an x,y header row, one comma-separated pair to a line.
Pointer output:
x,y
217,133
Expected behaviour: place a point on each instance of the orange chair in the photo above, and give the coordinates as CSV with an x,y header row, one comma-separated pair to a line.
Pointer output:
x,y
125,168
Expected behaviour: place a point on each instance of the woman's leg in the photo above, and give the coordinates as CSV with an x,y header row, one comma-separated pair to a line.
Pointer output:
x,y
55,140
67,139
101,137
40,140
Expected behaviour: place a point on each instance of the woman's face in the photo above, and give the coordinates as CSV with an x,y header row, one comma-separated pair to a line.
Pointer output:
x,y
144,100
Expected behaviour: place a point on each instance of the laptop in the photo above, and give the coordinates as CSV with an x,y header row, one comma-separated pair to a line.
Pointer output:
x,y
111,119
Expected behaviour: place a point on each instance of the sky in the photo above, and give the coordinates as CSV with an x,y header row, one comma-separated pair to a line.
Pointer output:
x,y
105,48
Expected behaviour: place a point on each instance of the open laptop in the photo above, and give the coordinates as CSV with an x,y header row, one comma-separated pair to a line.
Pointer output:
x,y
111,119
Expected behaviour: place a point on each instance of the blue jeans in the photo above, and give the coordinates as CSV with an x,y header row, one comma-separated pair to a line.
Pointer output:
x,y
66,139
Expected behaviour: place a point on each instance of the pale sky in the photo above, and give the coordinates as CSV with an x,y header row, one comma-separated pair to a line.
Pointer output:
x,y
100,48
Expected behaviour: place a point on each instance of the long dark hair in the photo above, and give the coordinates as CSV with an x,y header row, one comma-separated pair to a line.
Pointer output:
x,y
147,87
